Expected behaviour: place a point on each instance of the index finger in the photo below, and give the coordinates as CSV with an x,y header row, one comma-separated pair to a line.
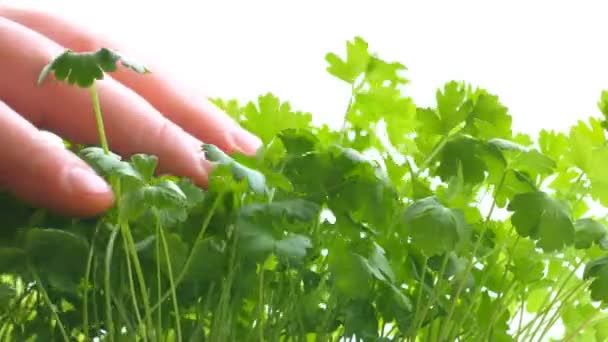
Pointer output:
x,y
179,103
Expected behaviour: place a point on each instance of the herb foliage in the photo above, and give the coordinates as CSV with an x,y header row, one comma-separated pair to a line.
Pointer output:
x,y
408,223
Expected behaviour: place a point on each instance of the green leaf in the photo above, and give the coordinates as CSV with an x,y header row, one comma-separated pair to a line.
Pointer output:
x,y
293,246
260,239
12,259
488,118
356,63
378,265
582,140
109,164
588,232
145,165
83,68
296,209
435,229
164,194
462,152
542,218
270,116
59,254
255,179
598,270
597,175
379,71
452,105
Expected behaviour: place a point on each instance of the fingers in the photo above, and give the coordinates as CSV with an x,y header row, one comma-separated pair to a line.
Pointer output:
x,y
183,106
132,124
47,174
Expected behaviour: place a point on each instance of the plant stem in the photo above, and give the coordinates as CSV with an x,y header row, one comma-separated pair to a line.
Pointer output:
x,y
98,117
473,253
557,312
414,325
107,283
199,238
87,274
133,292
261,305
47,299
171,283
559,291
581,327
435,293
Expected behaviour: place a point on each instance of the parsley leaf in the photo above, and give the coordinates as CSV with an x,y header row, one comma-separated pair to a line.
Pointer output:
x,y
83,68
542,218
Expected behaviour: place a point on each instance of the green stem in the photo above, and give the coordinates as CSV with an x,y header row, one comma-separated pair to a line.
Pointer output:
x,y
98,117
581,327
199,238
471,260
557,312
159,316
49,303
126,232
171,282
87,275
133,292
548,296
107,283
261,305
434,293
413,328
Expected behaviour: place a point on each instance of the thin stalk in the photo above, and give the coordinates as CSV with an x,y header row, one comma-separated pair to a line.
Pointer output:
x,y
116,185
414,327
435,293
49,303
98,117
159,316
574,290
107,284
557,312
261,305
122,311
561,288
473,253
171,282
497,313
354,89
126,232
85,295
140,322
581,327
477,293
199,237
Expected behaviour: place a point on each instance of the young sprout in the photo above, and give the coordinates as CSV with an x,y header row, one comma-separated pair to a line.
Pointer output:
x,y
82,69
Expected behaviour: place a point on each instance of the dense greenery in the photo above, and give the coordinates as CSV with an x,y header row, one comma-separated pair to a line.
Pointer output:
x,y
409,223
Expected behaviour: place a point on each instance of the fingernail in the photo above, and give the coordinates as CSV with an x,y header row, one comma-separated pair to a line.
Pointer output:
x,y
245,142
82,180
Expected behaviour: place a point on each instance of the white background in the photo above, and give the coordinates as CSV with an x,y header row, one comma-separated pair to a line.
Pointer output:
x,y
547,60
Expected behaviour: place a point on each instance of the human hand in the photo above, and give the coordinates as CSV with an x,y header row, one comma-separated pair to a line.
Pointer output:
x,y
150,113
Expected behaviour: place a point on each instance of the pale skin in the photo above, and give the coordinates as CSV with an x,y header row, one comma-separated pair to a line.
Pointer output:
x,y
150,113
